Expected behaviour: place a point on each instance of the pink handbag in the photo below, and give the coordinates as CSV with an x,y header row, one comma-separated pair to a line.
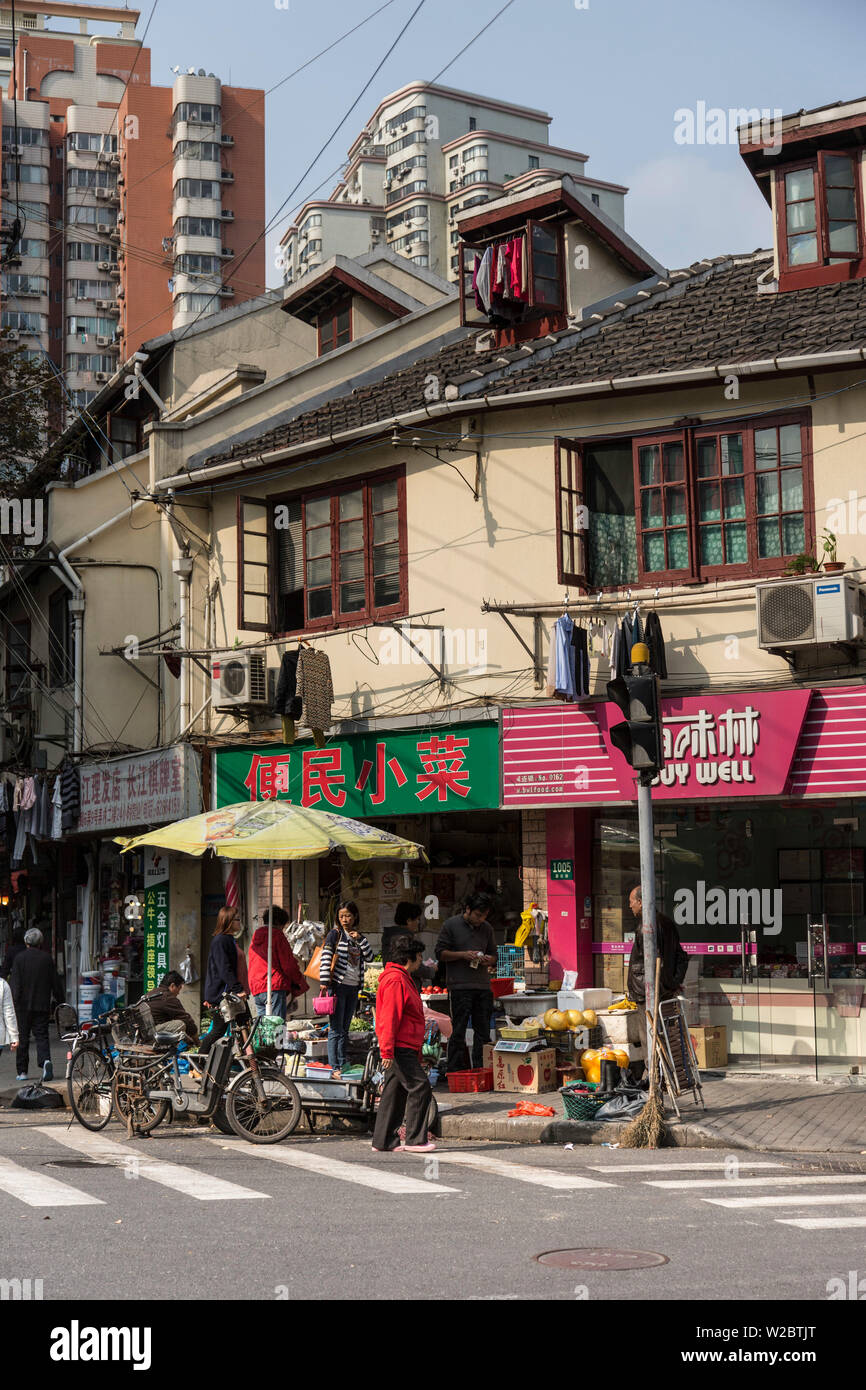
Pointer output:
x,y
324,1004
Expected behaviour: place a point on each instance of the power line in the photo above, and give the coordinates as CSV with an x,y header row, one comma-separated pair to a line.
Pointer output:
x,y
467,46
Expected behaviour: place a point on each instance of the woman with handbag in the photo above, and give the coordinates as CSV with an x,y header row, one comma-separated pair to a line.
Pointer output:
x,y
223,974
345,953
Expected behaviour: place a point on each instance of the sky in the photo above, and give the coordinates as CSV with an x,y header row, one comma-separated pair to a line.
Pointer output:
x,y
613,74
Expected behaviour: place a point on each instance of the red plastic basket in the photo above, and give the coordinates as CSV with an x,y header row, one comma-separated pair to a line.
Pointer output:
x,y
501,987
480,1080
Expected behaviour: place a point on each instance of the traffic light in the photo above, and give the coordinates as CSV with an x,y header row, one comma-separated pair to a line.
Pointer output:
x,y
639,737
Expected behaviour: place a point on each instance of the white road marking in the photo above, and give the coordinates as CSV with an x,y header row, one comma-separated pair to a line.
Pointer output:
x,y
315,1162
613,1166
522,1172
38,1190
820,1199
138,1164
827,1223
802,1181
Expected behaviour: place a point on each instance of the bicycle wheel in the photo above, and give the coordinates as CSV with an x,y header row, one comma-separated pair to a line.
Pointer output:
x,y
88,1086
146,1114
220,1120
270,1118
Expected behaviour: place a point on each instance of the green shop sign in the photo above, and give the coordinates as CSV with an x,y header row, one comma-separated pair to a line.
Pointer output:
x,y
409,772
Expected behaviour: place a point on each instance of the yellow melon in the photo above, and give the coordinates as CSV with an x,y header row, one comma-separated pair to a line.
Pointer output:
x,y
575,1018
590,1018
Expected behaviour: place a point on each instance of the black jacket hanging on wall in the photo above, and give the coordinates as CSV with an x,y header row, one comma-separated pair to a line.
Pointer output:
x,y
286,701
656,643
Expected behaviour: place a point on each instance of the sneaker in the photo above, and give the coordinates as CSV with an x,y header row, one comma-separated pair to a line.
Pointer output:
x,y
47,1071
419,1148
22,1076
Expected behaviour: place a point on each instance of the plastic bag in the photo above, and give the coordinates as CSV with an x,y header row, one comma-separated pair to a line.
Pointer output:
x,y
531,1107
187,969
623,1106
37,1097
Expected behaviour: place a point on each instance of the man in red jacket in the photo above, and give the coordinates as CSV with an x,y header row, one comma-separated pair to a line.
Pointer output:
x,y
400,1027
287,982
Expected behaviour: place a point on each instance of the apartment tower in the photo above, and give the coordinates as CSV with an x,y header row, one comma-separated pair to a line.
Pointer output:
x,y
123,204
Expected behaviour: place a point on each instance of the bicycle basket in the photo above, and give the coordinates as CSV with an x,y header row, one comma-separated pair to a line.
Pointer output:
x,y
231,1006
132,1026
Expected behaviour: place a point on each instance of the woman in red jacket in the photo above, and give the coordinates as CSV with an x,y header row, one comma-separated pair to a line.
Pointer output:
x,y
400,1030
287,982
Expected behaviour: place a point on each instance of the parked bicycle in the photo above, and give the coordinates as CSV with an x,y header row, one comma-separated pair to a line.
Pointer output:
x,y
89,1067
255,1101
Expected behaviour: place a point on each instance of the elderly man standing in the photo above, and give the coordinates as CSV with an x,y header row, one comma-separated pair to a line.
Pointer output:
x,y
34,983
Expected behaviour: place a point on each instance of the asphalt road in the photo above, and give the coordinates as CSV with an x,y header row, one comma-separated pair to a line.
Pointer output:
x,y
189,1214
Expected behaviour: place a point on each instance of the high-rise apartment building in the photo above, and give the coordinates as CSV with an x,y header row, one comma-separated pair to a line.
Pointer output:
x,y
123,204
427,153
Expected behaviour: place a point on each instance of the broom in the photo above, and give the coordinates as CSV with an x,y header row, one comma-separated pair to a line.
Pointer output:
x,y
648,1130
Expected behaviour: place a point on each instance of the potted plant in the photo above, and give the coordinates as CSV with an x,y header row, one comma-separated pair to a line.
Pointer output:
x,y
831,564
802,564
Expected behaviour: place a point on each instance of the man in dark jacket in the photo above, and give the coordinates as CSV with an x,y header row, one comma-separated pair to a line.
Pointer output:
x,y
467,949
674,961
167,1008
15,947
34,983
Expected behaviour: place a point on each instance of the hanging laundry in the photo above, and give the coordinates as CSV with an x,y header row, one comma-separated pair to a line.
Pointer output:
x,y
482,281
580,644
316,690
656,643
516,273
287,703
56,810
28,794
499,278
16,795
70,787
565,684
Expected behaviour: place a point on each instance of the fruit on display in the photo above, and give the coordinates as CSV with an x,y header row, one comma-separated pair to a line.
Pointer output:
x,y
575,1018
590,1018
556,1021
622,1058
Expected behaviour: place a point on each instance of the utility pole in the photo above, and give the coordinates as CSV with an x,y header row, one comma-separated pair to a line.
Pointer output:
x,y
639,739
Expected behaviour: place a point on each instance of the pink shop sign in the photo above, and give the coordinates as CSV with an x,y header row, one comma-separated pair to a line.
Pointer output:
x,y
715,746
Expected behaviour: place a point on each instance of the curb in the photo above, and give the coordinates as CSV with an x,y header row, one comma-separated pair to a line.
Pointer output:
x,y
531,1129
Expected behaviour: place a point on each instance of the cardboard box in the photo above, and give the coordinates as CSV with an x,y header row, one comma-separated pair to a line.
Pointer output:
x,y
527,1073
711,1046
487,1061
583,999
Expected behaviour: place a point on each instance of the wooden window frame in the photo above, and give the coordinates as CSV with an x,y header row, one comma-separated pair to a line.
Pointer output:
x,y
53,658
334,621
9,666
830,267
755,566
331,315
569,466
246,624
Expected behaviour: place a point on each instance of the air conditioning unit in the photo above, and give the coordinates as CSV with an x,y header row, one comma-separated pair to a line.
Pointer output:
x,y
105,228
102,376
227,215
12,335
103,342
104,265
818,611
238,679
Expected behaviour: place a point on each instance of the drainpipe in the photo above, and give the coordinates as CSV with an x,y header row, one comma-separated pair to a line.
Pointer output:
x,y
182,567
76,609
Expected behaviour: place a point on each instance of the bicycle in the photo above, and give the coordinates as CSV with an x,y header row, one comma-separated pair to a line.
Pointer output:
x,y
261,1104
90,1065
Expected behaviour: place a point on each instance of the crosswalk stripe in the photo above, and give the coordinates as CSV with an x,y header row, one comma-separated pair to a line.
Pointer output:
x,y
174,1175
673,1167
315,1162
521,1172
827,1223
38,1190
802,1181
819,1199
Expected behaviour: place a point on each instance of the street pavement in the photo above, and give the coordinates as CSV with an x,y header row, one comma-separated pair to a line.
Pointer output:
x,y
189,1214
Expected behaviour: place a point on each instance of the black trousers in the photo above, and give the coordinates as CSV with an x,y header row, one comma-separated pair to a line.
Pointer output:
x,y
405,1094
217,1031
475,1005
33,1021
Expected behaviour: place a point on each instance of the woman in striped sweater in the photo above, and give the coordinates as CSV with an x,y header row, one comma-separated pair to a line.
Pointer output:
x,y
345,953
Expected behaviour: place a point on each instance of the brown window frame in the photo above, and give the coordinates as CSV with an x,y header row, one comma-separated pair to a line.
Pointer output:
x,y
60,662
336,620
689,436
330,317
22,624
829,265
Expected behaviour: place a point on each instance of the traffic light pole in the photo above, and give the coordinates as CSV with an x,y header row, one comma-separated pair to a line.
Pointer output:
x,y
648,902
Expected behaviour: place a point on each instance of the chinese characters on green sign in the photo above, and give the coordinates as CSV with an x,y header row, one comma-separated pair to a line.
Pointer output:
x,y
156,891
562,868
404,773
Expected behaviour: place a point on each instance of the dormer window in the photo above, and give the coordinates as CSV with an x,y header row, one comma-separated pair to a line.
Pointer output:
x,y
819,219
335,327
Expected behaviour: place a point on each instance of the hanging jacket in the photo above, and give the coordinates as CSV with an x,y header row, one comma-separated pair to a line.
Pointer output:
x,y
400,1018
566,683
482,280
285,971
656,643
581,663
8,1020
515,254
316,688
286,700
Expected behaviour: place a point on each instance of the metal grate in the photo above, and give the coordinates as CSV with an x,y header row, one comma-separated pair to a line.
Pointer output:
x,y
787,613
510,961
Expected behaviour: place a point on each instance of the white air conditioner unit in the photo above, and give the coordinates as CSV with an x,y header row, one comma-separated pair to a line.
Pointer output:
x,y
104,265
105,228
238,679
103,192
12,335
103,342
817,611
102,376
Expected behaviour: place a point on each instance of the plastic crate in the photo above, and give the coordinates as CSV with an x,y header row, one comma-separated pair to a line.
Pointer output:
x,y
510,961
578,1103
519,1034
462,1081
566,1041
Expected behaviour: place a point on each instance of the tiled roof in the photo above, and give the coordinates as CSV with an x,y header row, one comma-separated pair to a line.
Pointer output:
x,y
711,314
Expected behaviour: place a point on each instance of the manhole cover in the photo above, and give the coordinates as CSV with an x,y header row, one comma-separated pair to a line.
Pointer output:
x,y
71,1163
601,1259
